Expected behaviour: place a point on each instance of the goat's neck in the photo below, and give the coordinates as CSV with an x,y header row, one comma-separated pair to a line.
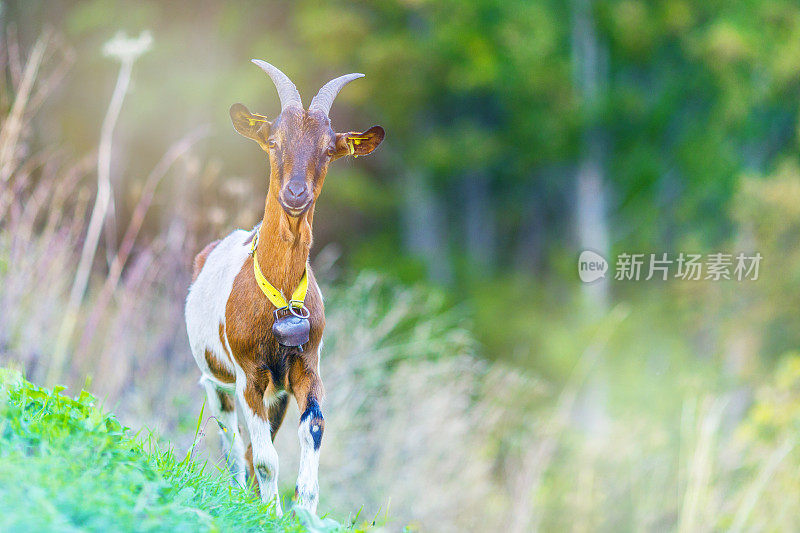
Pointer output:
x,y
283,245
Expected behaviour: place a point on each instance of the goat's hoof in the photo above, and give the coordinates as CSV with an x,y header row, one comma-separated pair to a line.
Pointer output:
x,y
306,501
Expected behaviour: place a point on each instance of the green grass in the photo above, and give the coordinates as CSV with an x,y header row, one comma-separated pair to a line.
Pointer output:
x,y
65,465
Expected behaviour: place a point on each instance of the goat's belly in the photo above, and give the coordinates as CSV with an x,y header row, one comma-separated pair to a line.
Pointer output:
x,y
205,308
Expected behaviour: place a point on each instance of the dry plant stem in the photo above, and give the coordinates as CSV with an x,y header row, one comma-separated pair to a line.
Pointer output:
x,y
175,152
110,231
12,127
95,223
29,91
57,75
14,56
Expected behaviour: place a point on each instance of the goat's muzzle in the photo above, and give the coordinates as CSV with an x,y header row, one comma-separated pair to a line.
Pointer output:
x,y
295,197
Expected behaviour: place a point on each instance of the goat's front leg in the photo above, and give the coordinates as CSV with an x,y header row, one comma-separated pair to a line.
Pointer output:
x,y
265,458
307,389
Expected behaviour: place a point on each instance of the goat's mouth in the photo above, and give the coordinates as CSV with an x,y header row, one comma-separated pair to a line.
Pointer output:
x,y
295,211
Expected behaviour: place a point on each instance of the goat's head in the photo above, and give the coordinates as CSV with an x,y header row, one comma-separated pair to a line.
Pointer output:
x,y
301,143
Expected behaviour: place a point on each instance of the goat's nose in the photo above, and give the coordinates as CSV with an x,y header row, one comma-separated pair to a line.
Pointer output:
x,y
296,190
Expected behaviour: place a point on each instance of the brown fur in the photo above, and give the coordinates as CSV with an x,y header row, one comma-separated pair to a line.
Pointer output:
x,y
276,413
249,319
218,370
225,401
251,473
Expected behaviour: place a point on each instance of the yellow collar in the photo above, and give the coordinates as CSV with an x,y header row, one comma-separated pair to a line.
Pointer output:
x,y
275,296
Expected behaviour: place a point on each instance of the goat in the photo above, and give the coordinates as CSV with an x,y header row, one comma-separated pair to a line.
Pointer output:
x,y
229,319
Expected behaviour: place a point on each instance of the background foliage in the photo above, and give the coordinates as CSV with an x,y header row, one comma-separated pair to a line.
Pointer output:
x,y
477,369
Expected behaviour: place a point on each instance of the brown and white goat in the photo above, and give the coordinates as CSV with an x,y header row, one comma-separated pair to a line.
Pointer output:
x,y
229,319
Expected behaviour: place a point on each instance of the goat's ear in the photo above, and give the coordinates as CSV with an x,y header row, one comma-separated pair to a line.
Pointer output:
x,y
251,125
356,144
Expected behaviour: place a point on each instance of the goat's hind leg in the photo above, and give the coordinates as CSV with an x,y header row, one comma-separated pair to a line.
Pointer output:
x,y
223,407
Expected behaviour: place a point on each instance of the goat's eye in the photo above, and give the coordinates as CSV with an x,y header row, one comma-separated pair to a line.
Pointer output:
x,y
271,143
331,150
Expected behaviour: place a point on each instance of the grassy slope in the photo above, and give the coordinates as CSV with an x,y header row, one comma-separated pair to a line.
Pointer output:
x,y
67,466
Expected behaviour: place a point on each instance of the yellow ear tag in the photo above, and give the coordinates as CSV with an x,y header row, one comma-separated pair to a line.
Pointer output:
x,y
352,142
251,121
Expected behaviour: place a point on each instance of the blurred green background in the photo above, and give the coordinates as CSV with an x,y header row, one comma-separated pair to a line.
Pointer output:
x,y
495,112
519,133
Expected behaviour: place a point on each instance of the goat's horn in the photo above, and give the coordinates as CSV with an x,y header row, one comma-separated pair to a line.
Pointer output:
x,y
287,92
324,99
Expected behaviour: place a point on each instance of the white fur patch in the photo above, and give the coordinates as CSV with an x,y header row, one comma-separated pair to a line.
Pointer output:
x,y
208,297
307,477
